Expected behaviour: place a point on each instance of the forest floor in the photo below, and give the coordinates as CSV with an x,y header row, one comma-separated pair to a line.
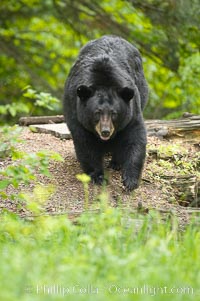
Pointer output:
x,y
167,162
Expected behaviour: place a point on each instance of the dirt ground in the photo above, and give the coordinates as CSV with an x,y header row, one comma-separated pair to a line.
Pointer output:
x,y
69,193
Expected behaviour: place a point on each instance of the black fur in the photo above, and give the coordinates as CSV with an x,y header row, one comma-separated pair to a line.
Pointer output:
x,y
108,78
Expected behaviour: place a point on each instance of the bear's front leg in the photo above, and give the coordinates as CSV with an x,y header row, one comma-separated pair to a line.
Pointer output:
x,y
133,165
90,156
133,153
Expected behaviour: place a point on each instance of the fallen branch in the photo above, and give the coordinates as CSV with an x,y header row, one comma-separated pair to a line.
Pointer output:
x,y
185,127
41,120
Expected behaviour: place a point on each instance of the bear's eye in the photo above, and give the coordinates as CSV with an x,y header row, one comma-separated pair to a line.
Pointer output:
x,y
114,115
97,115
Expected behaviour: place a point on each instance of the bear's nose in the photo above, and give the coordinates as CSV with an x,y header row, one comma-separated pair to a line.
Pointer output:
x,y
105,133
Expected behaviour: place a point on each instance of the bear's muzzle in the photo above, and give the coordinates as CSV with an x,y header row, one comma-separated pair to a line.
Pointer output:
x,y
105,127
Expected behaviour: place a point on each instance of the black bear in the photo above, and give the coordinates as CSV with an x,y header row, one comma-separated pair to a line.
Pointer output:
x,y
105,94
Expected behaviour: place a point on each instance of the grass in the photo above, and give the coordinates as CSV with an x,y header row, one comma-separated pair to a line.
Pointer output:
x,y
102,257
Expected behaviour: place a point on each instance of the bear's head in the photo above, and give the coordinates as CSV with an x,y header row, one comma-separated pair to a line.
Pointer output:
x,y
104,110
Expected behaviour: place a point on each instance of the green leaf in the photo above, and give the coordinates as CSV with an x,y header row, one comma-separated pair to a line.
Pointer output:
x,y
4,184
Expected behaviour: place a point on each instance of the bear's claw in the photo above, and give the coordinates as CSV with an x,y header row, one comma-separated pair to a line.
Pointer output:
x,y
130,184
97,178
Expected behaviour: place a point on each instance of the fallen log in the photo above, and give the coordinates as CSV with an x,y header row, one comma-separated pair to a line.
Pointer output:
x,y
41,120
187,127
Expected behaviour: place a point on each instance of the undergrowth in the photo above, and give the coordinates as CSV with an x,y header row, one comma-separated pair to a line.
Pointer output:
x,y
24,165
100,257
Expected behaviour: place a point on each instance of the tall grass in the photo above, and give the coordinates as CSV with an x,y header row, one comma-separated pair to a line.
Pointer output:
x,y
104,256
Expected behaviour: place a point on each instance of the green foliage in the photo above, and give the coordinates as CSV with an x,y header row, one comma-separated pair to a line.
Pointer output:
x,y
32,103
99,258
189,73
44,100
85,179
9,137
174,158
36,199
13,109
171,93
41,39
23,171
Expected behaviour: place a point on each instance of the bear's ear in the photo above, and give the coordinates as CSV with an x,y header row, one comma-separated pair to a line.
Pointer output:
x,y
126,93
84,92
